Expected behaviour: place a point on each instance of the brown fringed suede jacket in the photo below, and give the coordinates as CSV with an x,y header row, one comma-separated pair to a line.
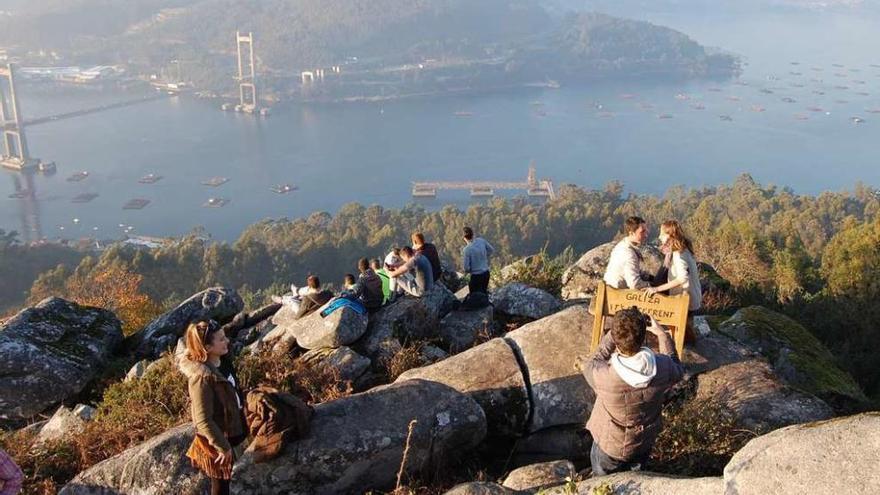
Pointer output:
x,y
216,415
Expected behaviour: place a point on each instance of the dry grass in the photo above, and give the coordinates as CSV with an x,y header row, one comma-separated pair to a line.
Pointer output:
x,y
313,384
719,301
408,357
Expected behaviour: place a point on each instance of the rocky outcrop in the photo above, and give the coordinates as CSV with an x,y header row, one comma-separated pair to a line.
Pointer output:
x,y
539,476
459,329
356,443
519,299
548,349
581,279
218,303
155,467
65,422
341,327
251,335
50,352
347,364
643,483
407,318
836,456
489,374
795,354
758,399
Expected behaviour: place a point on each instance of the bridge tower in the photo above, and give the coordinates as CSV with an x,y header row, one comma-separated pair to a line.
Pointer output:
x,y
14,150
247,88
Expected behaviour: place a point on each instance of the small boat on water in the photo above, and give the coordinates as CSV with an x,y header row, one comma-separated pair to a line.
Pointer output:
x,y
767,91
733,98
136,204
796,85
714,90
215,203
873,110
463,114
817,92
150,179
841,88
758,108
726,118
682,97
858,82
79,176
815,109
841,102
839,74
863,93
795,73
857,120
801,116
795,63
646,106
789,100
741,83
283,188
816,69
665,116
698,106
215,181
606,115
837,65
537,103
84,197
47,167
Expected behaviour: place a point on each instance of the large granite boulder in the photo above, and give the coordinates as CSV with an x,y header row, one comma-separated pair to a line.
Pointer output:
x,y
519,299
347,364
642,483
758,399
218,303
548,349
836,456
713,350
795,354
356,443
156,467
65,422
50,352
459,329
539,476
489,374
581,279
407,318
341,327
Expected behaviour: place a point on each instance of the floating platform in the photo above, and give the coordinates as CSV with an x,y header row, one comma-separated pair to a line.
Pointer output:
x,y
150,179
136,204
482,192
226,107
13,163
84,197
215,203
424,192
78,177
215,181
283,188
47,167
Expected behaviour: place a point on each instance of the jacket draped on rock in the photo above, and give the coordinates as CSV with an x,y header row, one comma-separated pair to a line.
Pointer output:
x,y
274,419
626,420
216,415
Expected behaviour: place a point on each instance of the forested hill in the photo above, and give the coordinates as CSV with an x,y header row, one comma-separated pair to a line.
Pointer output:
x,y
517,39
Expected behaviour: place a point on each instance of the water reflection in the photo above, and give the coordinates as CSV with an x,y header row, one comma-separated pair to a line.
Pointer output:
x,y
25,195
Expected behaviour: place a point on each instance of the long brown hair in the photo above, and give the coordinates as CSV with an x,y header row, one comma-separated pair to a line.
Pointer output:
x,y
678,241
198,336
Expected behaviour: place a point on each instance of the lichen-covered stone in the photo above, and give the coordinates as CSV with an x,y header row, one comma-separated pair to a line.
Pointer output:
x,y
519,299
50,352
341,327
480,488
840,455
491,376
795,354
641,483
218,303
581,279
65,422
538,476
356,443
548,349
156,467
346,363
459,329
757,398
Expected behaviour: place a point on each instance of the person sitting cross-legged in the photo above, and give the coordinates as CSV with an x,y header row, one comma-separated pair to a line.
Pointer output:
x,y
630,382
368,287
422,279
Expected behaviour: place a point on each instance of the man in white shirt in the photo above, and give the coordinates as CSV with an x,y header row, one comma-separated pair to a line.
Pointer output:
x,y
624,265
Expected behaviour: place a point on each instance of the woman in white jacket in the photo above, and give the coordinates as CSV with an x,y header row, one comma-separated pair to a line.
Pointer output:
x,y
683,272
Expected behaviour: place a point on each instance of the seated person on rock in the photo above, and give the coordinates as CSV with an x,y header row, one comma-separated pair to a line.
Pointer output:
x,y
421,279
377,267
624,264
428,250
393,261
368,287
347,282
313,286
314,299
630,382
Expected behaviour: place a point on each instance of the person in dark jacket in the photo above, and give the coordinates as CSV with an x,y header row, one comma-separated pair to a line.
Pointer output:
x,y
630,382
216,404
429,251
368,288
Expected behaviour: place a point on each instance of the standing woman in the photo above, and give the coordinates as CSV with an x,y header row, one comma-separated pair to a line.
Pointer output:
x,y
683,272
216,404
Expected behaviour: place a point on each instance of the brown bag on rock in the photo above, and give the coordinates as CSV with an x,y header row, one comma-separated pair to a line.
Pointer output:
x,y
275,418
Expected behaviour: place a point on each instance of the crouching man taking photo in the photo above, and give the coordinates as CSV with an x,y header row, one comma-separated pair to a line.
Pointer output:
x,y
630,382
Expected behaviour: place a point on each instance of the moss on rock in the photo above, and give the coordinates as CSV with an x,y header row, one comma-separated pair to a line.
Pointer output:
x,y
796,354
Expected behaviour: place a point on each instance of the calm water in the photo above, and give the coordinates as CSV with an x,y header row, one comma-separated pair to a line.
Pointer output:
x,y
369,153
